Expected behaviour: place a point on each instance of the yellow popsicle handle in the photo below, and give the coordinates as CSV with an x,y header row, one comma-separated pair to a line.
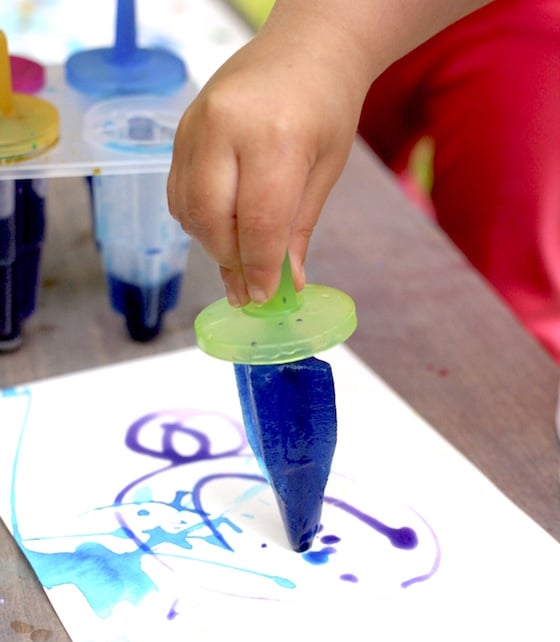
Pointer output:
x,y
28,124
6,103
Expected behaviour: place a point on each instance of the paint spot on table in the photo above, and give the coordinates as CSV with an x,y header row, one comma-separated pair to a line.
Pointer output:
x,y
438,370
21,627
35,635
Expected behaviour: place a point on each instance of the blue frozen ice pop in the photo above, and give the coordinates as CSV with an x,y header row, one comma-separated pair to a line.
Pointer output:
x,y
289,414
28,126
287,395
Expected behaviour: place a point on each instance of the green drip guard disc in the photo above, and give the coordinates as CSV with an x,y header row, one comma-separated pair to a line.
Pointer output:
x,y
321,318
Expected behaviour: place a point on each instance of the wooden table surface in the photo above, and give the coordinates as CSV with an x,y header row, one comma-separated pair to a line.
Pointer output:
x,y
428,325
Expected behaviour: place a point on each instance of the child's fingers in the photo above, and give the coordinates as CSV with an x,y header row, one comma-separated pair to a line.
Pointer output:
x,y
202,191
270,191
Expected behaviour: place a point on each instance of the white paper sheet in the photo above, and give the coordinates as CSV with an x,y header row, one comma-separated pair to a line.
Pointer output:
x,y
132,492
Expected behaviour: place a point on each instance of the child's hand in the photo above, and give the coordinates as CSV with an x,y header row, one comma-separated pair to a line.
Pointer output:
x,y
260,148
255,157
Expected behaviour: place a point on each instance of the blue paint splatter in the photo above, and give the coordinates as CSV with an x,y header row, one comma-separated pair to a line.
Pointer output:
x,y
103,577
173,613
349,577
319,557
330,539
107,578
404,537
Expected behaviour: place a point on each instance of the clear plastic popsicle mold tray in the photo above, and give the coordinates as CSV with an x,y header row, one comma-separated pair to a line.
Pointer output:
x,y
144,250
149,89
119,148
132,124
139,240
124,143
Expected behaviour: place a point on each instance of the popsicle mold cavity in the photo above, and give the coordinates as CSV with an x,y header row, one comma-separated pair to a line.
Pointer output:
x,y
290,327
22,225
144,306
143,249
27,127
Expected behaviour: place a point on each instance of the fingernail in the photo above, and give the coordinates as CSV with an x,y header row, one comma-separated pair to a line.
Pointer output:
x,y
232,298
257,295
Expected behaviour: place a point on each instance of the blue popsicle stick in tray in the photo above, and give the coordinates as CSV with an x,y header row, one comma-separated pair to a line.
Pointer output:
x,y
125,68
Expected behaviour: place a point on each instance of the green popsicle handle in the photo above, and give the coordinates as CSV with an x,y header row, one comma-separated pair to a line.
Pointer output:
x,y
291,326
285,301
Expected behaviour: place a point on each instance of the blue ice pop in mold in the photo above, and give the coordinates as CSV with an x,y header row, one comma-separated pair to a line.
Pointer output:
x,y
143,249
125,68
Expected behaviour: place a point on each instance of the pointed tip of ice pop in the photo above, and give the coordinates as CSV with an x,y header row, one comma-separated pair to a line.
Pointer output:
x,y
301,520
304,542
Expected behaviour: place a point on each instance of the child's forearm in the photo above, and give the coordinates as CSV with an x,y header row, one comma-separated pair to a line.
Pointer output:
x,y
369,35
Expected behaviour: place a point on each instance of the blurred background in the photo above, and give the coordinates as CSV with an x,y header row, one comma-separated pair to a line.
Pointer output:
x,y
203,32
